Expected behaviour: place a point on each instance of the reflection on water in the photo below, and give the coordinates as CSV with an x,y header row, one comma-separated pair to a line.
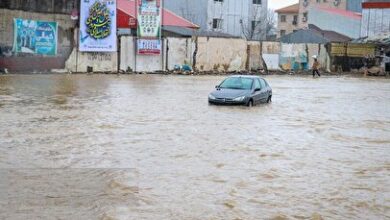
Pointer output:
x,y
150,147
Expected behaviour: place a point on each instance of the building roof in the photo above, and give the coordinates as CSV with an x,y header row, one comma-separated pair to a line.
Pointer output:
x,y
184,32
341,12
214,34
188,32
332,36
289,9
383,39
314,35
169,18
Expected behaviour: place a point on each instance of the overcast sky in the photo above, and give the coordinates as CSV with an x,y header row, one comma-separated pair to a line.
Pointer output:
x,y
276,4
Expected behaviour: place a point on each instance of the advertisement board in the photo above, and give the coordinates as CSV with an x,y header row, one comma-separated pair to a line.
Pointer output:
x,y
149,19
36,37
98,26
149,46
149,27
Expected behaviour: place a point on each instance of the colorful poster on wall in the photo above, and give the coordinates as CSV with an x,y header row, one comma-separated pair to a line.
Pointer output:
x,y
149,18
149,46
98,26
36,37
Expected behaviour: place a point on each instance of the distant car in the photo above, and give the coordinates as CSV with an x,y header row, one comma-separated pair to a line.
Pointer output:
x,y
241,90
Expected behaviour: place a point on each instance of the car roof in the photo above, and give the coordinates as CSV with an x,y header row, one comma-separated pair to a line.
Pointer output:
x,y
247,76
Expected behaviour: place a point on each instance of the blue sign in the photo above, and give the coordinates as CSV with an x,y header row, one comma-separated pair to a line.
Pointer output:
x,y
37,37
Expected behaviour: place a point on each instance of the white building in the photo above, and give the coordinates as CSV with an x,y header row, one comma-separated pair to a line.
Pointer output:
x,y
338,20
376,18
240,18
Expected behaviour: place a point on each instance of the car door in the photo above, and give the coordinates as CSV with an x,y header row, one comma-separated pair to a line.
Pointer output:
x,y
269,90
256,91
263,92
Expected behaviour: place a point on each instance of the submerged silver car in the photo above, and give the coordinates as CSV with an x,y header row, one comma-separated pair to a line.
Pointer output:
x,y
241,90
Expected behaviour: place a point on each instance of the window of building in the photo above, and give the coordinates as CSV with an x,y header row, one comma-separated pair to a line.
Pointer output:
x,y
318,1
5,3
282,32
295,20
257,2
283,18
255,24
218,0
2,23
217,23
304,19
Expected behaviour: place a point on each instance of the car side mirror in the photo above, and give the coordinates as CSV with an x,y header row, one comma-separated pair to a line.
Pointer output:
x,y
217,86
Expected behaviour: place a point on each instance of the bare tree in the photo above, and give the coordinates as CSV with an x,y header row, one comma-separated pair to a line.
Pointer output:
x,y
187,13
260,25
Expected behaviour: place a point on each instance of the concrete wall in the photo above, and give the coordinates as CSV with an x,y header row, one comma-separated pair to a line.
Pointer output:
x,y
140,63
299,56
65,31
254,57
324,58
270,52
270,47
100,62
127,53
221,54
44,6
180,51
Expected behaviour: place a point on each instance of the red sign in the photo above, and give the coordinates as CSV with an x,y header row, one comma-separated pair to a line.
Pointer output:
x,y
376,4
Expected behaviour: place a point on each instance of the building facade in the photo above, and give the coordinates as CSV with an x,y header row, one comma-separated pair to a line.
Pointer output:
x,y
376,18
341,21
287,20
306,5
243,18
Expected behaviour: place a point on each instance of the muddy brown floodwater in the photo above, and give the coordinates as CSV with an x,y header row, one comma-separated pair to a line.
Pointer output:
x,y
150,147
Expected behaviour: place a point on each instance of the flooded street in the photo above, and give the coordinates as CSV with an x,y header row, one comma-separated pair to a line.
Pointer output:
x,y
150,147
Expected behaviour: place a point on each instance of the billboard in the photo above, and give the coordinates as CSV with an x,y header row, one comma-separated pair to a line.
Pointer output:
x,y
149,18
98,26
36,37
149,27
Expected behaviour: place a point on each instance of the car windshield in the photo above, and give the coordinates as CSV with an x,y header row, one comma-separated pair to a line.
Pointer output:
x,y
237,83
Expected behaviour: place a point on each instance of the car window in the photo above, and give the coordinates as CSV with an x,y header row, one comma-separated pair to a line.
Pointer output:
x,y
262,83
266,83
237,83
257,84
